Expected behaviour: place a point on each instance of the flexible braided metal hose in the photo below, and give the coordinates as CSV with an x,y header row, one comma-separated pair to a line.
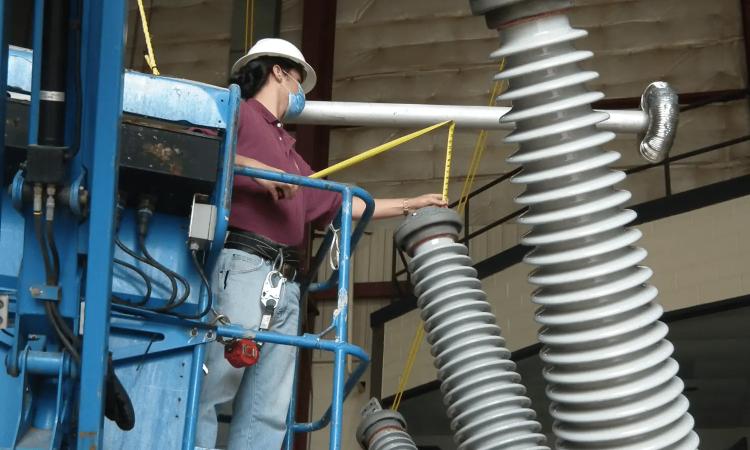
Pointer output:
x,y
609,371
485,399
383,429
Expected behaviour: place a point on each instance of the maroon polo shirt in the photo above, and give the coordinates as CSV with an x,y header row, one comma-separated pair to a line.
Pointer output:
x,y
262,137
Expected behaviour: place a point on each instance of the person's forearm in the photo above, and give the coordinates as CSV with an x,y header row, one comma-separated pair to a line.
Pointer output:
x,y
385,208
277,189
242,182
250,162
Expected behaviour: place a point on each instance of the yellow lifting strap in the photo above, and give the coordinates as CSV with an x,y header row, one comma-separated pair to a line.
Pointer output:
x,y
481,143
446,178
448,157
416,343
380,149
149,57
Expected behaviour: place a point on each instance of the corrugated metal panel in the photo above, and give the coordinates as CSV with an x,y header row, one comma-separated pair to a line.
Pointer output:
x,y
191,38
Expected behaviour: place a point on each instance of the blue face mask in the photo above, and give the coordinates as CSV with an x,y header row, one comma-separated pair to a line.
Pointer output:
x,y
296,103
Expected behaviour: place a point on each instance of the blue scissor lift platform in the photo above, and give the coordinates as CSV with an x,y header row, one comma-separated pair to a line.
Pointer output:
x,y
49,399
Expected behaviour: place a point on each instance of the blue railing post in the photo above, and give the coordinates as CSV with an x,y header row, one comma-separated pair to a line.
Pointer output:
x,y
103,44
221,198
342,385
291,415
339,367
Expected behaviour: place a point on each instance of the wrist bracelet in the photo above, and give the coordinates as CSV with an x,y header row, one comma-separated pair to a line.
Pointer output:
x,y
406,207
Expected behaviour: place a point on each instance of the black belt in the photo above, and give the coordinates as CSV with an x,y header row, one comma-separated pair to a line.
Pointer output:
x,y
266,249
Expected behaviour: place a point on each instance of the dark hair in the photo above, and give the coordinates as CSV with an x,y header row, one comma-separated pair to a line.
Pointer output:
x,y
253,75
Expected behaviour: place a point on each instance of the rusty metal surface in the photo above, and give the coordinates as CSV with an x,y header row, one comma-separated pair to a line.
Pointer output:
x,y
152,149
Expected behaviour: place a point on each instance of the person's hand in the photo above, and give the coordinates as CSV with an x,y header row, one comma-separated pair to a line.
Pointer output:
x,y
278,190
426,200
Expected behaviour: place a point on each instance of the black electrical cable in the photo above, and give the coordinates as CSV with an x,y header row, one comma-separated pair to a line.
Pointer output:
x,y
67,336
55,254
181,279
145,213
204,280
42,245
158,267
142,274
146,258
51,310
69,342
147,296
8,333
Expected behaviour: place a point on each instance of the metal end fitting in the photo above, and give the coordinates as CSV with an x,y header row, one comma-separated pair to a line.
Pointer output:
x,y
427,223
38,190
146,206
481,7
375,420
661,103
501,12
50,204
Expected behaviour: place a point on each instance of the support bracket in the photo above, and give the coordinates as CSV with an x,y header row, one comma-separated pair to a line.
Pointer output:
x,y
166,337
44,292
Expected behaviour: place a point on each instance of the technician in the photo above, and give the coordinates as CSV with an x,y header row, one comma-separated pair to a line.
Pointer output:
x,y
267,223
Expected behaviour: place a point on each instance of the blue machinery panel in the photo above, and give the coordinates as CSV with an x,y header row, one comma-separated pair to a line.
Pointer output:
x,y
146,95
50,401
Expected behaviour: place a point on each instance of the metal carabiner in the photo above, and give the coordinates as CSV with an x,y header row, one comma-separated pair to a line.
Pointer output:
x,y
272,290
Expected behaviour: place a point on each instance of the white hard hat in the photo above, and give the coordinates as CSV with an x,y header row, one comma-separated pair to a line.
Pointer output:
x,y
282,49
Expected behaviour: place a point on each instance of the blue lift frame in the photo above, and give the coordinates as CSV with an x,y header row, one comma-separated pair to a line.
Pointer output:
x,y
342,385
103,106
339,346
180,101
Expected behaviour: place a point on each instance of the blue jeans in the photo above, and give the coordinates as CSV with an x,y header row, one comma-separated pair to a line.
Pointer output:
x,y
260,393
